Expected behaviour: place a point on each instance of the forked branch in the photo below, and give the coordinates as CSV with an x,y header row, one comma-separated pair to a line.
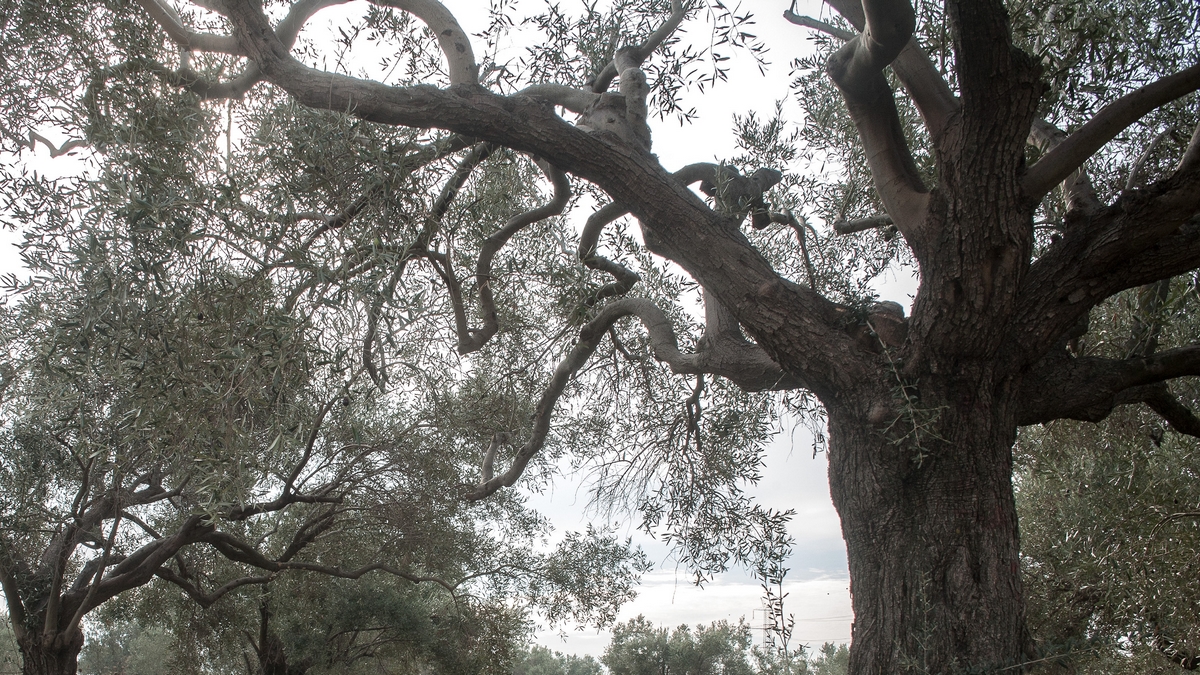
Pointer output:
x,y
920,77
1088,388
1057,165
857,69
637,54
472,339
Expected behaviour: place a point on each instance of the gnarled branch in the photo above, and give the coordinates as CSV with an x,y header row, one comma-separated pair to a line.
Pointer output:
x,y
920,77
472,339
636,54
857,69
624,278
169,20
1088,388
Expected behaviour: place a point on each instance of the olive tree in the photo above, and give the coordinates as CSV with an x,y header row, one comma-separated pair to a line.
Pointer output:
x,y
1108,515
175,416
992,145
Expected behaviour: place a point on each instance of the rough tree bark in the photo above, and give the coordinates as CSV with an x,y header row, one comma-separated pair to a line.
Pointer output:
x,y
58,655
923,410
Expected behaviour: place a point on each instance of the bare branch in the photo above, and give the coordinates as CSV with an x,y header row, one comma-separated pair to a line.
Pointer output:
x,y
420,247
454,42
55,150
1078,193
575,100
343,573
859,224
639,53
817,24
1112,119
733,193
239,551
206,600
1146,236
169,20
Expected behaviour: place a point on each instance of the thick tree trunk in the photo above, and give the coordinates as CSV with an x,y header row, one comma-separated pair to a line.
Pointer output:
x,y
924,492
56,656
273,659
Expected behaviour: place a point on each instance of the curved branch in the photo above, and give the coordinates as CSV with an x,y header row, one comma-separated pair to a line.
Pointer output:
x,y
734,358
1112,119
916,71
55,150
1088,388
138,568
857,69
289,28
206,600
453,40
676,223
639,53
420,247
624,279
342,573
472,339
575,100
169,20
801,227
239,551
1181,418
709,175
417,159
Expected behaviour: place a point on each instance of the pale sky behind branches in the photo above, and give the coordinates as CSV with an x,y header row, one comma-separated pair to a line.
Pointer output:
x,y
818,582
